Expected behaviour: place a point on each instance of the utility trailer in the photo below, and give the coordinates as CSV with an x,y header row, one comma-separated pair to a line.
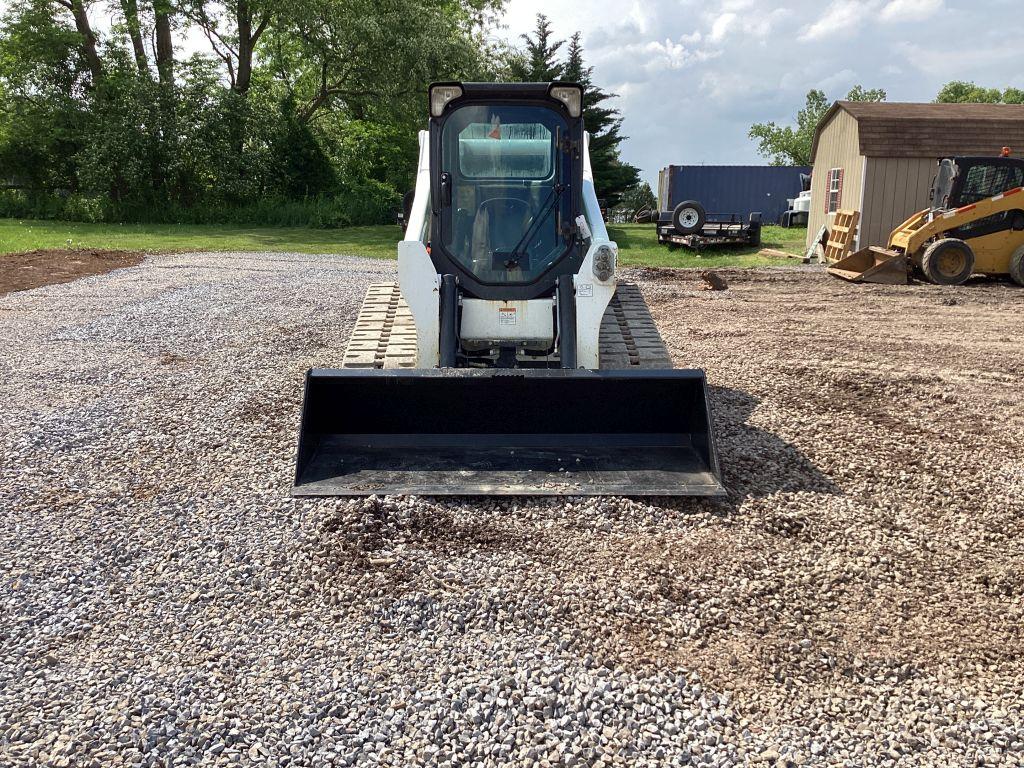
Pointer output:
x,y
739,189
716,230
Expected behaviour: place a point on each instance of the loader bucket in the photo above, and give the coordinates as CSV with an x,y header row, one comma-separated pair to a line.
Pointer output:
x,y
873,265
506,432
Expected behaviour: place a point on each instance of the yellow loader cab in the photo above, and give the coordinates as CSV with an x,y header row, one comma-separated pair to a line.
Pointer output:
x,y
975,226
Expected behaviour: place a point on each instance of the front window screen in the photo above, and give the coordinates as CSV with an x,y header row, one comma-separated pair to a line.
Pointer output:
x,y
510,191
984,181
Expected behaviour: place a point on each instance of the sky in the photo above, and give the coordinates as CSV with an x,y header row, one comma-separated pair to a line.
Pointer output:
x,y
692,76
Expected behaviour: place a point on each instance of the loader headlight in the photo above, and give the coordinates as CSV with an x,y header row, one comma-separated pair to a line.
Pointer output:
x,y
604,263
571,96
440,95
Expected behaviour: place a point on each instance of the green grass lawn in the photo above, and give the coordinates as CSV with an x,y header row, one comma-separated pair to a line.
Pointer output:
x,y
27,235
638,244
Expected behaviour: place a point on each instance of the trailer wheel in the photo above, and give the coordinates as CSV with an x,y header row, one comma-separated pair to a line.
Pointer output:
x,y
1017,266
689,217
948,262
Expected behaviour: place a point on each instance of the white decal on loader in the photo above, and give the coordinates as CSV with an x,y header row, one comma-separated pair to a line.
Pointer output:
x,y
585,289
506,316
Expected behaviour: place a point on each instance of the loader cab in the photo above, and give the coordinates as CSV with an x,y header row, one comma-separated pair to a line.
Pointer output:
x,y
506,174
964,181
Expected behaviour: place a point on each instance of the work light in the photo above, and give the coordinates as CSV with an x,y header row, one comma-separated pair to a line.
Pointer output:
x,y
604,263
440,95
571,96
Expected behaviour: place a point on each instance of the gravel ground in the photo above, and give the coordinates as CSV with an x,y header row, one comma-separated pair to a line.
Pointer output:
x,y
857,599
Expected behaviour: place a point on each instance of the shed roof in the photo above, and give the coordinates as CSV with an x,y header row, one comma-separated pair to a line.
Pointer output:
x,y
894,129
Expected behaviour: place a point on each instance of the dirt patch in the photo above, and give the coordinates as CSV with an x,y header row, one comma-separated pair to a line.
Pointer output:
x,y
34,269
903,398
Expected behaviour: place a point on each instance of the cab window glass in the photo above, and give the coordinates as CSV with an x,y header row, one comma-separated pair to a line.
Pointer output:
x,y
511,193
510,151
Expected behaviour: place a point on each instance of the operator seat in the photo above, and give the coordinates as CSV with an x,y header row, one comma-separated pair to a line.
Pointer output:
x,y
499,226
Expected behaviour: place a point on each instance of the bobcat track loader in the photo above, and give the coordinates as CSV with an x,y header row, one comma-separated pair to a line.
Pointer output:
x,y
976,226
507,359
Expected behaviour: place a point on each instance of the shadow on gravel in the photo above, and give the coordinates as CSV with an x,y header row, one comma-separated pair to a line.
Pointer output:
x,y
755,462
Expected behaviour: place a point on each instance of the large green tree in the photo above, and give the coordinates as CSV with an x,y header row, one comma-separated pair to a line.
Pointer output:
x,y
791,144
960,92
639,197
312,102
537,61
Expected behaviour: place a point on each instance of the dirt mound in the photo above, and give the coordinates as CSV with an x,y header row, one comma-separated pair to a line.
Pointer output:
x,y
46,266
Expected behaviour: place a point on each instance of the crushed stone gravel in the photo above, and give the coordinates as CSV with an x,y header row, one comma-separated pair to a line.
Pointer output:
x,y
855,601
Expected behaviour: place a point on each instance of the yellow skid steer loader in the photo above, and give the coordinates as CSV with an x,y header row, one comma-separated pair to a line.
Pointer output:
x,y
976,226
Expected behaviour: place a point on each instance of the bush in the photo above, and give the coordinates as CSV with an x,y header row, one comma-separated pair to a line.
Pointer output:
x,y
18,204
88,209
369,202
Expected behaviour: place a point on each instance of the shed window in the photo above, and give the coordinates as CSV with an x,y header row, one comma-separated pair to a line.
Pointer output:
x,y
834,191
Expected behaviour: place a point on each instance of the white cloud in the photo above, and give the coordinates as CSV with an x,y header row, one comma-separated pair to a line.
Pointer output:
x,y
910,10
840,18
840,82
693,75
720,27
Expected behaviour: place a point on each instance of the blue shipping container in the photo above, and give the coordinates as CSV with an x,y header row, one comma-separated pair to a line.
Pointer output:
x,y
725,189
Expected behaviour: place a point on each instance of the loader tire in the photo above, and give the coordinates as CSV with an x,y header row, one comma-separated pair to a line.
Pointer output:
x,y
948,262
689,217
1017,266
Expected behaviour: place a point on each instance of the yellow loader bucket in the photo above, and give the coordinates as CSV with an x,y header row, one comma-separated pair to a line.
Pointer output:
x,y
873,265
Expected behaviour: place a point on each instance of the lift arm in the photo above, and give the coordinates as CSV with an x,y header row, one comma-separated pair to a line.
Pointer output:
x,y
912,234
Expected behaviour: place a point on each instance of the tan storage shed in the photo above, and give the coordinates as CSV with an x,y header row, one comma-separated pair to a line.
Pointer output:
x,y
879,157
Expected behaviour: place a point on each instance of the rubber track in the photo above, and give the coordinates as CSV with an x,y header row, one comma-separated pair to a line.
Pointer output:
x,y
385,335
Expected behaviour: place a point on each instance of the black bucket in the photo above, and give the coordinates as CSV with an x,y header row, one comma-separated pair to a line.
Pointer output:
x,y
506,432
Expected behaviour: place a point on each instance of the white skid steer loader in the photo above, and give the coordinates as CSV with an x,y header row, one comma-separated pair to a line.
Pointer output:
x,y
508,359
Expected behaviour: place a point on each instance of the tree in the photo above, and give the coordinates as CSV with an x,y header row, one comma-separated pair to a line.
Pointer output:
x,y
788,145
303,108
133,26
859,93
232,29
638,197
162,13
80,12
539,63
960,92
44,77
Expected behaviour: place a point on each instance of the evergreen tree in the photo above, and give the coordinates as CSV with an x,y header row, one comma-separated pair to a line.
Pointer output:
x,y
538,62
612,176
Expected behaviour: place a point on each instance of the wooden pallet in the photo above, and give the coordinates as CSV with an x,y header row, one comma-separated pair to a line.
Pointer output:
x,y
841,236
